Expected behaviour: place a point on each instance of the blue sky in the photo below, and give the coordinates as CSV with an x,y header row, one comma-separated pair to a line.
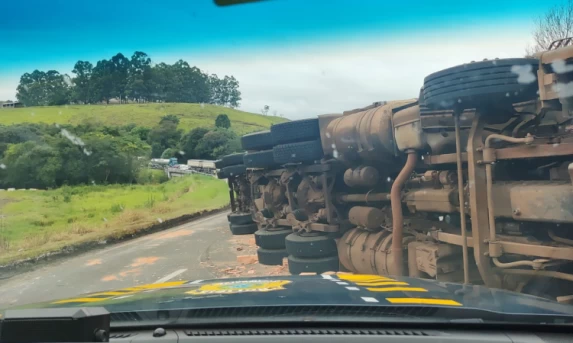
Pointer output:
x,y
54,34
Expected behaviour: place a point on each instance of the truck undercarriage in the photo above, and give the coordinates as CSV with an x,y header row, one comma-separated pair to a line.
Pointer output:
x,y
472,182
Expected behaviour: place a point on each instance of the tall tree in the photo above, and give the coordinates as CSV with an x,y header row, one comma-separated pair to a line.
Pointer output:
x,y
224,92
120,68
102,76
139,78
82,91
43,89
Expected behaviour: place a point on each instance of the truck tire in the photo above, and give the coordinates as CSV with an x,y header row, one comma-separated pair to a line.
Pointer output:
x,y
295,131
504,81
298,152
271,257
231,160
235,170
261,140
260,159
310,246
273,238
221,174
297,265
240,218
243,229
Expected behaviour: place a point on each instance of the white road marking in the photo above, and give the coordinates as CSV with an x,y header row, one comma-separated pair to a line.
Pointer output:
x,y
370,300
195,282
342,283
328,277
353,288
171,276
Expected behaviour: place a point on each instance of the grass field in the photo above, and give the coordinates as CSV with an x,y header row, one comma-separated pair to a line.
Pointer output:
x,y
191,115
37,222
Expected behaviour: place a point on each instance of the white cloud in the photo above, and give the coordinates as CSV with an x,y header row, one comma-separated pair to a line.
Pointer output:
x,y
334,77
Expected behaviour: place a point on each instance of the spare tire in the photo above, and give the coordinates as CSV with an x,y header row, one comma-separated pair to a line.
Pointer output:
x,y
260,159
231,160
257,141
298,152
272,238
243,229
297,265
271,257
233,170
486,83
295,131
310,245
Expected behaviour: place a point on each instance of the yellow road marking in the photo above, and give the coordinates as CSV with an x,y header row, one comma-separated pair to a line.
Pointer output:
x,y
423,301
79,300
397,289
383,283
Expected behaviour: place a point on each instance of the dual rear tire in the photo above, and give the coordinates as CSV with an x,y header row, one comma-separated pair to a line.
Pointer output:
x,y
311,253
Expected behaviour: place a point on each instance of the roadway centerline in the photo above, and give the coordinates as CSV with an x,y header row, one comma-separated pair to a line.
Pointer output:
x,y
171,276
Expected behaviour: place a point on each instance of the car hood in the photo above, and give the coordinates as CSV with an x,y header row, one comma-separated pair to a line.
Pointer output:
x,y
315,290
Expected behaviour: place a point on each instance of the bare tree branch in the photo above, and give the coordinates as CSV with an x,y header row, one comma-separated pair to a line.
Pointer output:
x,y
556,23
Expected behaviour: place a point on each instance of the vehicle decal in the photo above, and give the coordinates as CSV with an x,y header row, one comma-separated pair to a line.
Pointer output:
x,y
385,283
380,284
423,301
232,287
79,300
100,296
397,289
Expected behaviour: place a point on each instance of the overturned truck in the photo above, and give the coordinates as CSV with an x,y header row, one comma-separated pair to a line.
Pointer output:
x,y
471,182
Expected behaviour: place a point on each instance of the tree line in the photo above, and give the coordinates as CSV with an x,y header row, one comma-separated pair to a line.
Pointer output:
x,y
127,79
49,156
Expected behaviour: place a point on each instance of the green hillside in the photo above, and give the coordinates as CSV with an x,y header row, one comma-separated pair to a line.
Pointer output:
x,y
191,115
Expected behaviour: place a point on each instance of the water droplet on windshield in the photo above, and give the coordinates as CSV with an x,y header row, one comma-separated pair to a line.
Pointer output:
x,y
441,218
2,166
565,90
561,67
524,73
327,135
389,179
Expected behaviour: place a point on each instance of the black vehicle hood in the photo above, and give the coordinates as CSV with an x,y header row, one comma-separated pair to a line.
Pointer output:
x,y
315,290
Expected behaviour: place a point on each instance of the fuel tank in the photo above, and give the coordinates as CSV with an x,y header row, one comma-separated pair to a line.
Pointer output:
x,y
364,134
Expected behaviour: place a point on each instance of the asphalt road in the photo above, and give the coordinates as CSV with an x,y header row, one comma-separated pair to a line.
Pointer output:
x,y
180,253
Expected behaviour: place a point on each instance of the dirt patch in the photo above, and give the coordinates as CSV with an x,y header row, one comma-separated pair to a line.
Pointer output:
x,y
243,246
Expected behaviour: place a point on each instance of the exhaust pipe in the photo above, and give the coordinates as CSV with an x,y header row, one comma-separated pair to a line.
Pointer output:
x,y
397,216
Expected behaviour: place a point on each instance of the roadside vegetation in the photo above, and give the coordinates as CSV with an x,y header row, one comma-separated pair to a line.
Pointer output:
x,y
36,222
38,155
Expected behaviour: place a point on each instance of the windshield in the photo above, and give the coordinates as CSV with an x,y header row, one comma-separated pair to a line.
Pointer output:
x,y
405,153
